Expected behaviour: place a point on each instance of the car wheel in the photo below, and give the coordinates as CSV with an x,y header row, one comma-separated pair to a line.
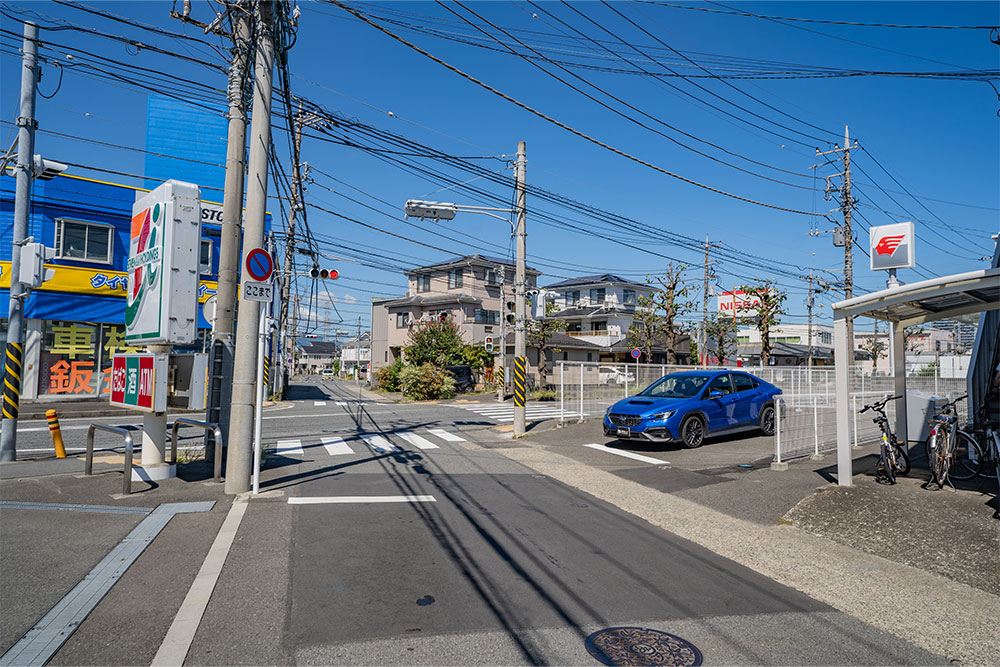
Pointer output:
x,y
693,432
767,419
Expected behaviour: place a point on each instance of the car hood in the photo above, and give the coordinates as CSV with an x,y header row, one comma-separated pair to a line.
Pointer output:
x,y
642,405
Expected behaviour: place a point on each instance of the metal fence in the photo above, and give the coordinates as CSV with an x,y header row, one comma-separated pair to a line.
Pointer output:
x,y
806,420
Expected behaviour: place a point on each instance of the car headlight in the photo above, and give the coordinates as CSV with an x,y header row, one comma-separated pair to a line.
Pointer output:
x,y
608,411
663,416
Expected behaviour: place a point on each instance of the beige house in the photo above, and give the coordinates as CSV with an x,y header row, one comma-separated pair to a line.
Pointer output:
x,y
474,291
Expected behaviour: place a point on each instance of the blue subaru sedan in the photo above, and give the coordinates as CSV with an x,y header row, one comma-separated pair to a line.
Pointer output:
x,y
689,406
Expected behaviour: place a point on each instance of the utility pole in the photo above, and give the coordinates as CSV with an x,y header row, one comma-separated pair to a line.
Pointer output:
x,y
703,331
357,359
520,349
502,270
847,207
241,426
26,124
809,307
232,211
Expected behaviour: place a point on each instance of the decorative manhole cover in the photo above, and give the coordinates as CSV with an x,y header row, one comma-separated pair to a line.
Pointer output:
x,y
641,646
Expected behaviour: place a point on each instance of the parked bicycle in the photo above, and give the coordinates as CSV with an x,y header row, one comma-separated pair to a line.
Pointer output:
x,y
987,441
892,460
951,452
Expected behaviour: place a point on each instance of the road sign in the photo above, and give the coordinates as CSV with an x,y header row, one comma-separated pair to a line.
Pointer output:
x,y
139,381
253,291
636,353
259,264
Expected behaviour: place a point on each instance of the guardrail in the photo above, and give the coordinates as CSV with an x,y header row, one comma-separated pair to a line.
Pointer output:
x,y
208,426
88,466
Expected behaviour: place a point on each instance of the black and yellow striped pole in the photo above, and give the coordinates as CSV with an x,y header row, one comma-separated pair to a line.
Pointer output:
x,y
12,380
519,381
267,374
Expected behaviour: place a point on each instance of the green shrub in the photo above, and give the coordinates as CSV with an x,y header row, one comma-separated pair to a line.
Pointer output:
x,y
387,377
426,382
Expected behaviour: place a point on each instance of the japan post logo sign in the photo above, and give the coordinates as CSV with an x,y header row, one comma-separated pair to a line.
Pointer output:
x,y
891,246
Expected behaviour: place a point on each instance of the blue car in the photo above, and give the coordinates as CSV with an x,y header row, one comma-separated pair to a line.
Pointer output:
x,y
687,407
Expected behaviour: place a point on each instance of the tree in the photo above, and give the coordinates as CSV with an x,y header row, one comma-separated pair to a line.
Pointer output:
x,y
874,347
656,316
477,357
720,329
770,305
437,341
540,333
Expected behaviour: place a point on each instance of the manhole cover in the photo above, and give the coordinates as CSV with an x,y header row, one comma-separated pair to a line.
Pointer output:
x,y
641,646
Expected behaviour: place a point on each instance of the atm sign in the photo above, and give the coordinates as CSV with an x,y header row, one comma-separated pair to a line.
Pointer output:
x,y
132,381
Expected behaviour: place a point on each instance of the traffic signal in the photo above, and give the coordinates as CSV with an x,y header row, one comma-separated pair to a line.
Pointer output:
x,y
317,272
511,312
488,343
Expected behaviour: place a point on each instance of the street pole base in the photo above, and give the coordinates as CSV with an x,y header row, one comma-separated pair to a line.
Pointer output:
x,y
816,457
775,465
153,473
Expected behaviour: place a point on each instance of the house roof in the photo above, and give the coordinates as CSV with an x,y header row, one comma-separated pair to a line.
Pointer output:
x,y
320,348
469,260
602,279
785,350
681,341
559,339
433,300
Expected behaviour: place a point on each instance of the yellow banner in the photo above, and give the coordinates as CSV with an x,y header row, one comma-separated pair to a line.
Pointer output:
x,y
94,282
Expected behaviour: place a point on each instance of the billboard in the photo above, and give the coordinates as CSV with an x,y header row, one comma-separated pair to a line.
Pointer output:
x,y
737,303
161,304
139,382
891,246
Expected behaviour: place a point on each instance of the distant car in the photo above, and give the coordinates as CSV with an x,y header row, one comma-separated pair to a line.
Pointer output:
x,y
691,405
327,373
464,381
612,375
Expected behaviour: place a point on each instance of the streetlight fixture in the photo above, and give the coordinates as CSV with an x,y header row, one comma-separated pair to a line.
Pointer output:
x,y
415,208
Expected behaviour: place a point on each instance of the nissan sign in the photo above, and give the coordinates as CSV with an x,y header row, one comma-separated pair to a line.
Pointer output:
x,y
891,246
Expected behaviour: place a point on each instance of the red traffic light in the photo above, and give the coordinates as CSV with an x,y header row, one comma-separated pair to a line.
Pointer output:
x,y
315,272
334,274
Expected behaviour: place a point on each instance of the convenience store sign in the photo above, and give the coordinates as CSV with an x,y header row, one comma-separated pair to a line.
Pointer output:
x,y
138,381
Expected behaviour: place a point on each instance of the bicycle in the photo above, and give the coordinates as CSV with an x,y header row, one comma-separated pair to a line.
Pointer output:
x,y
892,458
951,452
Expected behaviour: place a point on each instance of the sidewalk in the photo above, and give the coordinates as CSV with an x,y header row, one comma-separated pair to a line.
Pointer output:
x,y
91,407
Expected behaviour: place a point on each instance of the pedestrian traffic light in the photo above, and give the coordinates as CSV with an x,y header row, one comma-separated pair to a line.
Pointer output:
x,y
317,272
488,343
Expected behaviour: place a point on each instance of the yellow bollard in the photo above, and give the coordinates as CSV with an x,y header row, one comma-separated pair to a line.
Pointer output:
x,y
56,434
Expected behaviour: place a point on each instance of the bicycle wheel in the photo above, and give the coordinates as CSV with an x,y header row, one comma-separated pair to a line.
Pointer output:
x,y
902,460
966,459
938,448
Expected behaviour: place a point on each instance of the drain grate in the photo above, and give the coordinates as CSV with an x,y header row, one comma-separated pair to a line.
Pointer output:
x,y
641,646
106,509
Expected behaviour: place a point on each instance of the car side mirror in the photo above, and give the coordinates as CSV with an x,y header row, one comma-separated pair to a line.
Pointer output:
x,y
715,393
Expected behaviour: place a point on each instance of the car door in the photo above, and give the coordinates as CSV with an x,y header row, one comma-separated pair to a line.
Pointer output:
x,y
745,411
720,409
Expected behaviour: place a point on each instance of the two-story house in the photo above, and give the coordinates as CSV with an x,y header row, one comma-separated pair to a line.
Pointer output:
x,y
354,352
474,291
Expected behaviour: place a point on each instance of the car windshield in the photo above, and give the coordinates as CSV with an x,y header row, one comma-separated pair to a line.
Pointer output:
x,y
675,386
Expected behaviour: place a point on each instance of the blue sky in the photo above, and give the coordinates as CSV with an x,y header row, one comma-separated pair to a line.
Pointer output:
x,y
937,137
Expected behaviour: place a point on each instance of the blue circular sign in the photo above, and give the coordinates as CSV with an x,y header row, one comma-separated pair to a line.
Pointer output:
x,y
259,264
636,353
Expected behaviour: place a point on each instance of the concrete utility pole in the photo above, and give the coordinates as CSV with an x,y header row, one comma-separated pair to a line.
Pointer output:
x,y
232,211
520,347
809,307
847,207
25,173
242,418
503,336
703,332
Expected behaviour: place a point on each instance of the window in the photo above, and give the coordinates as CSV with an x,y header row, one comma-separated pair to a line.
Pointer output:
x,y
454,278
721,383
87,241
599,326
487,316
743,339
597,295
826,337
424,283
590,356
743,382
205,260
573,298
402,320
492,277
628,297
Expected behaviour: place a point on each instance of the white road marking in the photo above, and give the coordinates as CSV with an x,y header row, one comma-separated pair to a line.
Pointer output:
x,y
288,447
336,446
319,403
324,500
378,443
445,435
417,441
174,647
342,403
630,455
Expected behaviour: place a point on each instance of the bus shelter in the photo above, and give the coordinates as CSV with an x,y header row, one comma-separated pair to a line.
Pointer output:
x,y
902,306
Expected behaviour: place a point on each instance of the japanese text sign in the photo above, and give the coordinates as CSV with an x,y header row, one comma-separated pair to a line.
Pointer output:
x,y
139,381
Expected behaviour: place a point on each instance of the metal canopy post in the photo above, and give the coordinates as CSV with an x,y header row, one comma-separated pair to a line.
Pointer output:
x,y
897,339
841,369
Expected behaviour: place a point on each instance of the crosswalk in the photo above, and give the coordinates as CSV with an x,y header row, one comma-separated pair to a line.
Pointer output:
x,y
364,443
504,412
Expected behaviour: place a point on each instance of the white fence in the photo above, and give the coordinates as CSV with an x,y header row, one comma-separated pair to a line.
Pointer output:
x,y
806,420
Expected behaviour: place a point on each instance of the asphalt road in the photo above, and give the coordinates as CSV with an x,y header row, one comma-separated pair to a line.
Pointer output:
x,y
398,534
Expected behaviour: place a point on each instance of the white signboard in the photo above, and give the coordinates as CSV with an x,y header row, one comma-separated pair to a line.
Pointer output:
x,y
163,263
255,291
737,304
891,246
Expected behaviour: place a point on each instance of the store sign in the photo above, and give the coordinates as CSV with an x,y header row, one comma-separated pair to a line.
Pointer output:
x,y
737,304
891,246
139,381
79,280
163,264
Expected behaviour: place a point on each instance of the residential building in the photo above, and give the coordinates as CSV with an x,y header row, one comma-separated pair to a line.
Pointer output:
x,y
354,350
784,354
475,291
317,355
796,334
